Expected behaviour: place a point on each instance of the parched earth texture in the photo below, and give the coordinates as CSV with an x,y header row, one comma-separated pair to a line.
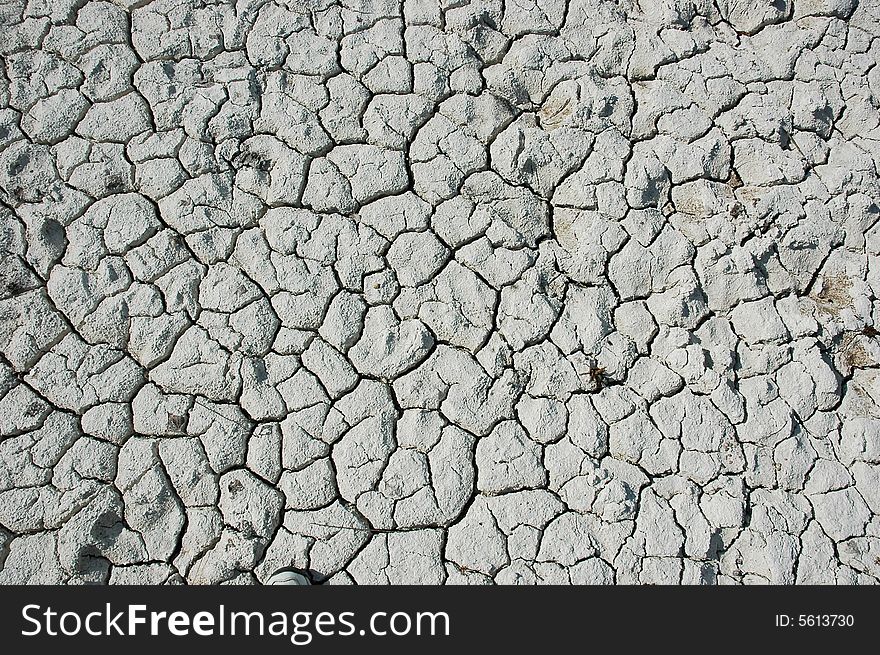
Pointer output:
x,y
437,291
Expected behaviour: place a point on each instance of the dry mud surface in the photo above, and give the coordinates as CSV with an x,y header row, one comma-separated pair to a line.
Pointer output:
x,y
435,291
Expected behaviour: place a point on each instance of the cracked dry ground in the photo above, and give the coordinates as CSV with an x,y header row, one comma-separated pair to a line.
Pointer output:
x,y
434,291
